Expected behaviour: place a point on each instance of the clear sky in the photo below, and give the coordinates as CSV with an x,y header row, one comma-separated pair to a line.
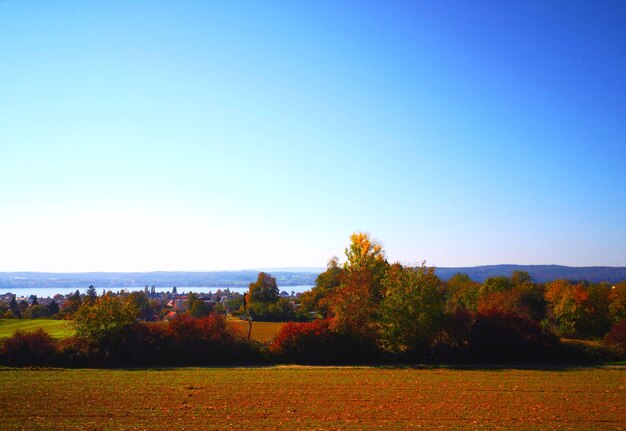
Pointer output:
x,y
168,135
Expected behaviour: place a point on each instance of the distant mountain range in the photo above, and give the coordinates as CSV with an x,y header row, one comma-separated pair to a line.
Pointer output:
x,y
285,277
541,273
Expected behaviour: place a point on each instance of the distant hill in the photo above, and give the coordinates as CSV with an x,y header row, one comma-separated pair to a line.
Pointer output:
x,y
541,273
285,277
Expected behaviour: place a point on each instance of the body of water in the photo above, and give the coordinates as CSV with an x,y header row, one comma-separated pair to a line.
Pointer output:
x,y
45,292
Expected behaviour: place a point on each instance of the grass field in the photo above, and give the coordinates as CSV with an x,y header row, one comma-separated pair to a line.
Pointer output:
x,y
56,328
261,331
300,398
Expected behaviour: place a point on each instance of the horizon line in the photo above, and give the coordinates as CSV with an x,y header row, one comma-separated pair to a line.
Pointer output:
x,y
311,269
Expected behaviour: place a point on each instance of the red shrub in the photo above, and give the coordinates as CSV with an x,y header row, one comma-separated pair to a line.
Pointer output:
x,y
617,336
29,348
317,342
200,341
503,337
297,336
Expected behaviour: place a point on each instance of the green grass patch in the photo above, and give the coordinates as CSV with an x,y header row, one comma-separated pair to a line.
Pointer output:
x,y
261,331
56,328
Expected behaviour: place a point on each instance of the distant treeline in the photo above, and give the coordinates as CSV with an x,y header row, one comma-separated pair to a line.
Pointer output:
x,y
540,273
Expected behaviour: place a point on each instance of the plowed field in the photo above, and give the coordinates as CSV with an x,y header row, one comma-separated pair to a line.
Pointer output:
x,y
301,398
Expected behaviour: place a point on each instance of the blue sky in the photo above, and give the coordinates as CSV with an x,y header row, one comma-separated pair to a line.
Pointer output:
x,y
155,135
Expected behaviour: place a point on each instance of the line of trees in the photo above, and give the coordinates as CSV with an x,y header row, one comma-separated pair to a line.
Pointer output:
x,y
366,310
22,309
409,311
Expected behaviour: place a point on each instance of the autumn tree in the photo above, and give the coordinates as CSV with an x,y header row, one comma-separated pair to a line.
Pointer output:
x,y
617,302
319,297
142,302
355,303
366,255
197,307
53,308
39,312
578,310
91,294
496,284
354,308
517,294
71,304
14,307
192,297
102,321
520,277
263,300
531,296
598,322
412,312
264,290
565,301
4,307
462,292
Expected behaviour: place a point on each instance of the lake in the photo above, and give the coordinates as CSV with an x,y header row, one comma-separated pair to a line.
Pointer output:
x,y
45,292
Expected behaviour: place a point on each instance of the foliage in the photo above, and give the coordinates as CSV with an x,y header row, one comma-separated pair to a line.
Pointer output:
x,y
319,297
264,290
598,321
412,313
200,309
197,307
355,301
71,305
39,312
462,292
354,306
298,342
578,310
103,320
236,302
28,348
617,336
209,340
91,294
280,311
505,337
617,305
367,256
495,285
517,295
53,308
318,342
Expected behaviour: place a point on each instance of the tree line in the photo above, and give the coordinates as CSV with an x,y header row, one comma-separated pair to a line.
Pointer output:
x,y
364,310
407,311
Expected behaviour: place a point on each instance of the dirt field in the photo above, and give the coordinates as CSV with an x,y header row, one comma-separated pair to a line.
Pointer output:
x,y
300,398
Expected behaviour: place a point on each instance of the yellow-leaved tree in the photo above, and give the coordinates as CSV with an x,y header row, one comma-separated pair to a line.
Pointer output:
x,y
355,302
